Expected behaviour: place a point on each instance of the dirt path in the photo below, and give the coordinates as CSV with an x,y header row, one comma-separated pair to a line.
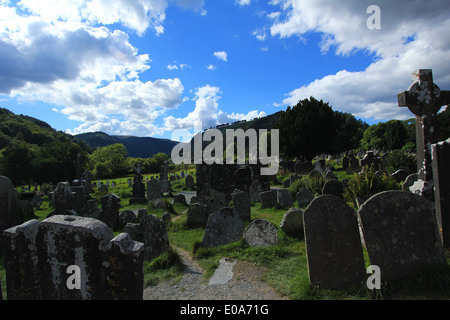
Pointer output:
x,y
245,284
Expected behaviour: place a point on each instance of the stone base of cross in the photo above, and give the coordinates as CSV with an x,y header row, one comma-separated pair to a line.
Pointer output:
x,y
424,99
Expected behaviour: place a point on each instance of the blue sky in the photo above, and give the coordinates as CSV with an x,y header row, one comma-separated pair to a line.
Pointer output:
x,y
149,67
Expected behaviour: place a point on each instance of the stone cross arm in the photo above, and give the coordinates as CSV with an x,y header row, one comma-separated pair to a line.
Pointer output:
x,y
423,97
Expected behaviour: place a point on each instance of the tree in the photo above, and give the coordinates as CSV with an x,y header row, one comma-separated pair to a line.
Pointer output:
x,y
113,157
311,127
395,135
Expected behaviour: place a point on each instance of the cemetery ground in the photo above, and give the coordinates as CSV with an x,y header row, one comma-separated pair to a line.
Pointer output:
x,y
282,267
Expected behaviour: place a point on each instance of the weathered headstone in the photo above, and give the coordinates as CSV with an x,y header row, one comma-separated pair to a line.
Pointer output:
x,y
400,233
400,175
268,199
241,202
63,198
333,245
138,187
91,209
152,232
153,190
197,215
292,222
409,181
87,176
284,198
109,213
223,227
261,233
179,198
441,175
424,99
126,216
39,254
304,197
9,207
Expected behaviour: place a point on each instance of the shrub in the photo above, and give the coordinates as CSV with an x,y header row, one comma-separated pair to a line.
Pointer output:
x,y
314,184
398,158
364,185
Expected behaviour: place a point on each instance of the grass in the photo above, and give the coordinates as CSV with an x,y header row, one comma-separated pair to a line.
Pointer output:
x,y
285,264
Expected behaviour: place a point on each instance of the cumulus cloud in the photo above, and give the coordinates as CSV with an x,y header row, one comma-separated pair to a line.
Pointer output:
x,y
60,52
413,35
206,113
243,2
221,55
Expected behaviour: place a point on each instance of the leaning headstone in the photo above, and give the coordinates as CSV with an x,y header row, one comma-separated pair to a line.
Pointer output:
x,y
9,207
152,232
268,199
261,233
223,227
333,187
284,198
400,233
241,202
292,222
255,189
441,174
109,213
41,257
333,245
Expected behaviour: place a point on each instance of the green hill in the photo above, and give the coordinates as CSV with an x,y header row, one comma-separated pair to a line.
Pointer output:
x,y
137,147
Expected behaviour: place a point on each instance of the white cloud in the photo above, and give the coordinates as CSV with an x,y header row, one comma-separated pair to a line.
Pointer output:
x,y
206,112
371,92
243,2
221,55
211,67
88,73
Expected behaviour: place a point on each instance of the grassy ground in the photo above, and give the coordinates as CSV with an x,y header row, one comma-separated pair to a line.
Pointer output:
x,y
285,264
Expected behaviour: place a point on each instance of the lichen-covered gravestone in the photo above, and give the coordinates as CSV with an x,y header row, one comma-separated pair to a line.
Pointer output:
x,y
292,222
284,198
268,199
223,227
153,190
109,213
152,232
261,233
400,233
44,260
333,245
197,215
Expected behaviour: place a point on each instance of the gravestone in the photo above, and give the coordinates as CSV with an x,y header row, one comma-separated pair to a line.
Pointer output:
x,y
409,181
126,216
152,232
400,175
197,215
26,210
261,233
165,185
190,181
424,99
63,198
333,187
255,189
153,190
400,233
292,222
39,253
441,174
284,198
9,207
87,176
304,197
333,245
141,213
91,210
223,227
109,212
268,199
138,187
78,193
241,202
179,198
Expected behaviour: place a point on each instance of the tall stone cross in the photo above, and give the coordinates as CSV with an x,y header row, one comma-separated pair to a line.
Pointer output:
x,y
424,99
